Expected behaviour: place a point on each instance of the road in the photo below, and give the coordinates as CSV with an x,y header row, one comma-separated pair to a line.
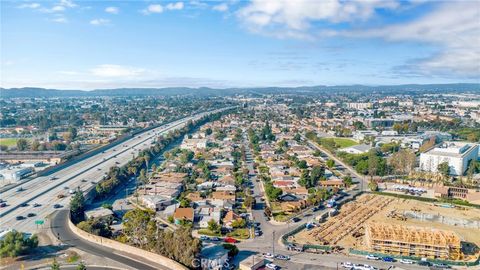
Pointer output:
x,y
269,241
67,237
83,174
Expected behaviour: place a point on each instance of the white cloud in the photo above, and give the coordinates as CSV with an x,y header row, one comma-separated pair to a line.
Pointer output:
x,y
100,22
59,19
67,3
112,10
175,6
220,7
294,18
454,27
58,9
155,8
30,5
109,70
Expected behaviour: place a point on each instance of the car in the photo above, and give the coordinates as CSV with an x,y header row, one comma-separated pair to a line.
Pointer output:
x,y
23,204
31,214
406,261
203,237
56,206
258,233
372,257
363,267
53,177
19,217
20,189
230,240
36,205
282,257
3,205
60,196
66,188
347,265
388,259
214,239
296,219
424,263
99,169
93,182
84,181
268,255
271,266
441,265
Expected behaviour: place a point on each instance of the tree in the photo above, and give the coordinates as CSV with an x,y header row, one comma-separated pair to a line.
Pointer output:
x,y
373,186
96,226
208,131
302,164
232,249
81,266
55,265
137,226
184,203
35,145
213,226
403,161
317,173
249,202
15,244
330,163
239,223
472,168
373,163
268,211
22,145
444,169
77,206
347,180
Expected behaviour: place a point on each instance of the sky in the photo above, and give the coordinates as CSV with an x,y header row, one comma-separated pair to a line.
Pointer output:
x,y
67,44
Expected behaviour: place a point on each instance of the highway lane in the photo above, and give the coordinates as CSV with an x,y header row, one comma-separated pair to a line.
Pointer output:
x,y
44,191
66,236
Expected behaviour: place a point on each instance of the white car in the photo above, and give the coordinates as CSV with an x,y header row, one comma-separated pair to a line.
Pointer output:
x,y
363,267
406,261
271,266
372,257
268,255
347,265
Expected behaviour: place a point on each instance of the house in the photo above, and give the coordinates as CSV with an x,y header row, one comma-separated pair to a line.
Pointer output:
x,y
99,212
292,207
223,195
288,197
194,197
330,184
155,202
457,155
229,218
253,262
357,149
183,214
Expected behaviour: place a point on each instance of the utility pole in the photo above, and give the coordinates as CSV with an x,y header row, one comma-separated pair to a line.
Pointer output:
x,y
273,243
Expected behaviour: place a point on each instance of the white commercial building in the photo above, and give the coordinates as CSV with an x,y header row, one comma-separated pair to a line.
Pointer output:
x,y
458,155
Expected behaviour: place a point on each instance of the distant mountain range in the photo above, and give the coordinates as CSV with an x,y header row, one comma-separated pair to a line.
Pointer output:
x,y
31,92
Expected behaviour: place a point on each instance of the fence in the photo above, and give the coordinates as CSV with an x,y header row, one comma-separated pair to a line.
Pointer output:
x,y
459,263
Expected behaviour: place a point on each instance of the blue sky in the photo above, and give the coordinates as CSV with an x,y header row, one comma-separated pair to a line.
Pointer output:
x,y
107,44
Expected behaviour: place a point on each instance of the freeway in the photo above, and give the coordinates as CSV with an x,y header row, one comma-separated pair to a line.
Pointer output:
x,y
37,197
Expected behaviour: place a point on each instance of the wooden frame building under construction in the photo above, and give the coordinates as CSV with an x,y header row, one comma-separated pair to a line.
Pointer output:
x,y
413,241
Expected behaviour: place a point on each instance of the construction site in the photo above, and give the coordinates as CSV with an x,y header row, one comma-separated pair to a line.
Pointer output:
x,y
395,226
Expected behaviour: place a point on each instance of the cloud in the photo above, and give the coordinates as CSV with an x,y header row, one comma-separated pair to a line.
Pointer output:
x,y
67,3
454,27
112,10
109,70
175,6
30,5
100,22
59,19
155,8
293,18
59,7
220,7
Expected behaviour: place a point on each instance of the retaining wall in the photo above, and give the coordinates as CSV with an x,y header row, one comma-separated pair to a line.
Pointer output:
x,y
149,256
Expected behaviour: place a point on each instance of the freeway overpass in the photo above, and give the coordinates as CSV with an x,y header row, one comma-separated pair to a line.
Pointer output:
x,y
83,174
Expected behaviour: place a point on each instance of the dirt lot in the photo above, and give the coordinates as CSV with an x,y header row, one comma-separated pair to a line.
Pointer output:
x,y
339,230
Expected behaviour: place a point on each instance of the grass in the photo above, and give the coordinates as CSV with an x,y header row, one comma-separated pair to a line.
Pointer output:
x,y
9,142
240,233
281,217
344,142
208,232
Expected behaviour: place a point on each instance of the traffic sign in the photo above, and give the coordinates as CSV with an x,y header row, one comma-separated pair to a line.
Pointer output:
x,y
39,222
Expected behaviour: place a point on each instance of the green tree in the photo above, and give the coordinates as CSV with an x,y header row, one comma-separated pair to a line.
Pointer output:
x,y
22,145
249,202
444,169
232,249
81,266
373,186
348,180
77,206
55,265
96,226
213,226
239,223
330,163
15,244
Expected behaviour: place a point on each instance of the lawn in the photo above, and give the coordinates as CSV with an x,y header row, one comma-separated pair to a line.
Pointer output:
x,y
9,142
240,233
208,232
344,142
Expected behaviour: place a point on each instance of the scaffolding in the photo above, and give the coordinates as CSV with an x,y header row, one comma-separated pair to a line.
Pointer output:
x,y
350,220
413,241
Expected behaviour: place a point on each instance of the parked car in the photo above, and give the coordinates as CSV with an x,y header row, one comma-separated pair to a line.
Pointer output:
x,y
296,219
406,261
347,265
230,240
20,189
441,265
3,205
19,217
203,237
388,259
372,257
424,263
56,206
268,255
283,257
272,266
